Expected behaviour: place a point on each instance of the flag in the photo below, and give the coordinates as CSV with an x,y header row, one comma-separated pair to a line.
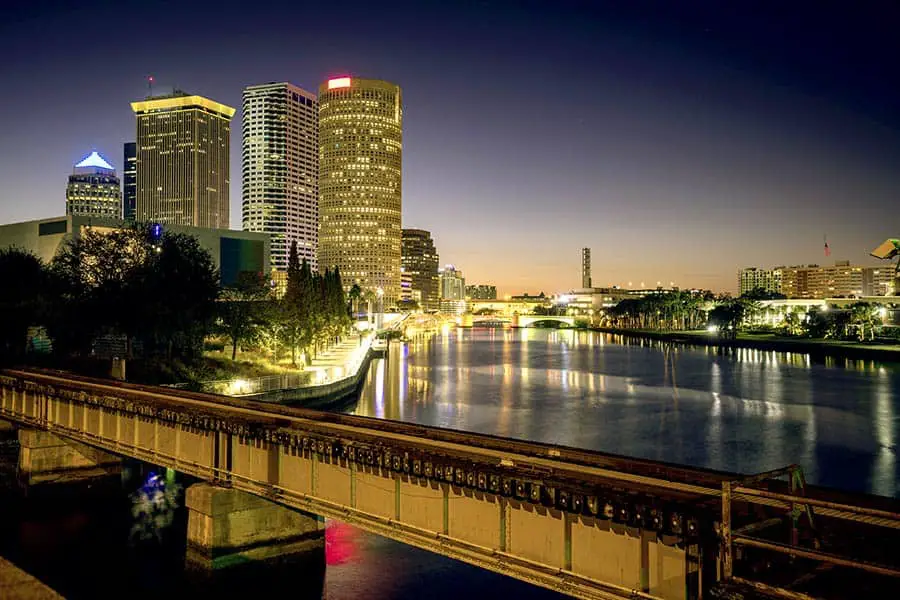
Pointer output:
x,y
827,249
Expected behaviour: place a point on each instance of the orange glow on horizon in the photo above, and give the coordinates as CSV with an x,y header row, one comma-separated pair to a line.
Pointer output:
x,y
338,82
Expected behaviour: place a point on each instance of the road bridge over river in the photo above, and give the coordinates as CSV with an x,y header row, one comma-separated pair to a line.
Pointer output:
x,y
588,524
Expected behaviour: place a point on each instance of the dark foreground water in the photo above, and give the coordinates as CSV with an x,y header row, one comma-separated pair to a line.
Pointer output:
x,y
737,410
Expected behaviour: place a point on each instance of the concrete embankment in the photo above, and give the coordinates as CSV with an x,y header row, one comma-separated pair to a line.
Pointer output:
x,y
833,348
16,584
323,395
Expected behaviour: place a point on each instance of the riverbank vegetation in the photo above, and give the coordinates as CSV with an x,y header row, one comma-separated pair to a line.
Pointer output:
x,y
157,301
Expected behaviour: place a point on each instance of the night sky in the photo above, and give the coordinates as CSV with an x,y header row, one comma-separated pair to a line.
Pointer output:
x,y
678,143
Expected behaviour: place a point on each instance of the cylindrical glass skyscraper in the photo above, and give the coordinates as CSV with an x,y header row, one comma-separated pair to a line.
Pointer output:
x,y
360,149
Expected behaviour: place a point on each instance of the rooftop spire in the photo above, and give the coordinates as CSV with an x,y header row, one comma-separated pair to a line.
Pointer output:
x,y
95,160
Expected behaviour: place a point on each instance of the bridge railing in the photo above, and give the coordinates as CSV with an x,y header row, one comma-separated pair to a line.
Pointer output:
x,y
764,535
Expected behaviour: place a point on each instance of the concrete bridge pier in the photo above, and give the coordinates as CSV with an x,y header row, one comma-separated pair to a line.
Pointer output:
x,y
45,458
231,530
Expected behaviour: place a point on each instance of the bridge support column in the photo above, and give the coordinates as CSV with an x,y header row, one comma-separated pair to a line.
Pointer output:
x,y
228,528
47,458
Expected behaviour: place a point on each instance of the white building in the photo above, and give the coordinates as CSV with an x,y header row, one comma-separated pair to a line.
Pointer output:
x,y
280,169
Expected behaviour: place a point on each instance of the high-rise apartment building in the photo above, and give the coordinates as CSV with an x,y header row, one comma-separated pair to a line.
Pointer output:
x,y
360,147
481,292
280,168
183,149
129,181
753,278
453,290
842,280
419,259
93,189
586,268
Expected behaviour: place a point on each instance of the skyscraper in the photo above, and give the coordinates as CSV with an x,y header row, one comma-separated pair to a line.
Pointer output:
x,y
93,189
129,181
360,143
586,268
453,290
280,168
183,147
419,260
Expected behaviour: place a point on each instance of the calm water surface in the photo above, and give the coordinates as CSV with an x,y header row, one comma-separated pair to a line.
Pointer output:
x,y
736,410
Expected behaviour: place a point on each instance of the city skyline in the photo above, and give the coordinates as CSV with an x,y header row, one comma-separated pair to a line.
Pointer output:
x,y
722,156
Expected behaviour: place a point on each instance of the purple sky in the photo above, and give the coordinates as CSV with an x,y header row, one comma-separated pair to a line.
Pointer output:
x,y
678,146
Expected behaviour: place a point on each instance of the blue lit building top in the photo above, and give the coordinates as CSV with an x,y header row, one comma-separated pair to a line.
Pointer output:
x,y
94,160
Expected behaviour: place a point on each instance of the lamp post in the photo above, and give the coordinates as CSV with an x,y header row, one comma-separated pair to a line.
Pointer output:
x,y
379,310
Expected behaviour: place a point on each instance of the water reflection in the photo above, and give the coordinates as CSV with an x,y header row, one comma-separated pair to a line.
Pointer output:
x,y
734,409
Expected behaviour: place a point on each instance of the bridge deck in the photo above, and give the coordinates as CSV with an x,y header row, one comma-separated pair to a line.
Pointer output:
x,y
481,472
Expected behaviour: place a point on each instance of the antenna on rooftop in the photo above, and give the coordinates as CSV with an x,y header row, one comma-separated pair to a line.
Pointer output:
x,y
150,84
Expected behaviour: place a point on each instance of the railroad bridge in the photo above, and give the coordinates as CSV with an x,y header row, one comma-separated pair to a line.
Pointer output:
x,y
587,524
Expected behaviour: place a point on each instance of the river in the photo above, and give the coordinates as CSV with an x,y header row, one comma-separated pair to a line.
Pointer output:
x,y
731,409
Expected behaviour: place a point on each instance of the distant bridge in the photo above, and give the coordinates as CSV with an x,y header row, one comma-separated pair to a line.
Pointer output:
x,y
515,320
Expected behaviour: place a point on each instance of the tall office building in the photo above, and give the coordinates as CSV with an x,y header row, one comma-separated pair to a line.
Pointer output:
x,y
183,145
93,189
419,259
586,268
360,143
129,181
280,168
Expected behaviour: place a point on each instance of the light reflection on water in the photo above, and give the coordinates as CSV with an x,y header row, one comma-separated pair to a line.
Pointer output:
x,y
743,410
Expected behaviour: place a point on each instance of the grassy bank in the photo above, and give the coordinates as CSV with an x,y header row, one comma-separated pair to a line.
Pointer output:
x,y
770,341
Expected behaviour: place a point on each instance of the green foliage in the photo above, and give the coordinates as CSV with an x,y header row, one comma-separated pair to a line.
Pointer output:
x,y
679,310
161,293
761,293
23,299
243,309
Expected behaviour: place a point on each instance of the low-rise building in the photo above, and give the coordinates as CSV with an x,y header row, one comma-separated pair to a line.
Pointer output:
x,y
232,252
753,278
481,292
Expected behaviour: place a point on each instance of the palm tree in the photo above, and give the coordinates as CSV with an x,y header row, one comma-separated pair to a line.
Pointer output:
x,y
355,294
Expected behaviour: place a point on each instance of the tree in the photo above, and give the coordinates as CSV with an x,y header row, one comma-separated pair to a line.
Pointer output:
x,y
96,281
294,304
179,288
355,295
241,308
864,318
22,298
761,293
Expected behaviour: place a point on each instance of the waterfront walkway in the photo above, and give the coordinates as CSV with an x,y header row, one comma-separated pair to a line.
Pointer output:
x,y
16,584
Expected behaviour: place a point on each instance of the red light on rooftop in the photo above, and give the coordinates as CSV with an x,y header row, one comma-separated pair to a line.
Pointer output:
x,y
338,82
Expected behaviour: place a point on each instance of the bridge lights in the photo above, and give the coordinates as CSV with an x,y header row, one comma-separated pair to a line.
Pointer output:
x,y
577,503
623,514
609,511
429,469
494,483
654,519
562,500
676,523
637,517
534,493
593,505
460,476
482,481
470,479
417,467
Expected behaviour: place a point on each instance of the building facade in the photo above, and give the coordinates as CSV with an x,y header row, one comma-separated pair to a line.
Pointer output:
x,y
453,284
481,292
419,259
280,169
753,278
129,181
360,149
842,280
232,252
93,189
183,149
